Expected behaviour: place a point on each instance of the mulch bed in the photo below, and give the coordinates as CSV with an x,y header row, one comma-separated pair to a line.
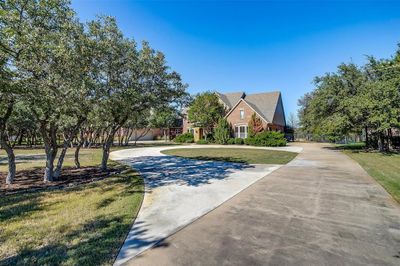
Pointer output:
x,y
32,180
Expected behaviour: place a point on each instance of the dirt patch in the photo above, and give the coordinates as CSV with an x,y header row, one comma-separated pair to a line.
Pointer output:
x,y
32,180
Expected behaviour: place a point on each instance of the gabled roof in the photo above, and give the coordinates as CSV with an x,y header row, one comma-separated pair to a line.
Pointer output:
x,y
230,99
268,105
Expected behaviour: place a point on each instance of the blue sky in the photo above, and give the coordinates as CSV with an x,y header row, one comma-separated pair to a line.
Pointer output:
x,y
256,46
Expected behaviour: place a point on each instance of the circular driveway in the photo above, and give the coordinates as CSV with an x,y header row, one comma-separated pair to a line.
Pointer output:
x,y
180,190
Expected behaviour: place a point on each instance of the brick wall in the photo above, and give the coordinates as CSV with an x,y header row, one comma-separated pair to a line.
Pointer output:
x,y
185,124
234,117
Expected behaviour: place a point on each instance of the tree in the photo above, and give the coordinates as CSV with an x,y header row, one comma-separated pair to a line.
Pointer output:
x,y
81,91
164,118
39,37
222,131
355,99
330,108
382,98
80,82
117,85
255,125
7,102
129,81
205,111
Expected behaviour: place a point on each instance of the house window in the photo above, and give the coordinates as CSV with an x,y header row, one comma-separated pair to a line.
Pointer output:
x,y
242,114
241,131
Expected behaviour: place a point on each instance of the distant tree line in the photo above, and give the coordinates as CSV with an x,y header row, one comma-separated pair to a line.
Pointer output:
x,y
83,82
356,99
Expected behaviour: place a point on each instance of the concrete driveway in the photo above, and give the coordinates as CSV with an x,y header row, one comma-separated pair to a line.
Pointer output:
x,y
320,209
179,191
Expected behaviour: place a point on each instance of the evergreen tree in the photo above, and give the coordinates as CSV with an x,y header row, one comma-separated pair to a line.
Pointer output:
x,y
222,131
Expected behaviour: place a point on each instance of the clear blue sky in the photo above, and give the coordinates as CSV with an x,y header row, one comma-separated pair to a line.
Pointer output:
x,y
256,46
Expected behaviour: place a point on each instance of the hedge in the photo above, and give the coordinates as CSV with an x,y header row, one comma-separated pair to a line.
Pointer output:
x,y
267,138
184,138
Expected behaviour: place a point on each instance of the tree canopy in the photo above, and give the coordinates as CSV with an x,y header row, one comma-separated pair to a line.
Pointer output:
x,y
355,99
60,77
205,111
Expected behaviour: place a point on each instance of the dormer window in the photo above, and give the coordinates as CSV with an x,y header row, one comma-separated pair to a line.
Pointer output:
x,y
241,114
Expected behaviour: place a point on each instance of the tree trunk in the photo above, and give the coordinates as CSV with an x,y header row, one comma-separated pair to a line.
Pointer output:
x,y
78,148
11,160
366,138
5,144
106,149
389,139
106,154
21,138
130,131
60,161
50,144
381,142
120,136
48,173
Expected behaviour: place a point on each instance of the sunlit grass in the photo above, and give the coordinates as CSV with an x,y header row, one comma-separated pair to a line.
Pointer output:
x,y
84,225
34,158
240,155
384,167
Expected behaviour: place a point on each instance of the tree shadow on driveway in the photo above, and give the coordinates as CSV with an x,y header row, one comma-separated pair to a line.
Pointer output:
x,y
165,170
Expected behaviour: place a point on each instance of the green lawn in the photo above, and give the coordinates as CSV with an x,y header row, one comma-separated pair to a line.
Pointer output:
x,y
384,167
241,155
80,225
34,158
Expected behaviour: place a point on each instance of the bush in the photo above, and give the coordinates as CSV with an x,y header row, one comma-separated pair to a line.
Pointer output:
x,y
239,141
231,141
221,132
267,138
210,138
249,141
184,138
202,141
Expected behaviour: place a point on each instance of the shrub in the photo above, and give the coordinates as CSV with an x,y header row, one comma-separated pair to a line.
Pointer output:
x,y
249,141
267,138
231,141
202,141
221,132
210,138
239,141
255,125
184,138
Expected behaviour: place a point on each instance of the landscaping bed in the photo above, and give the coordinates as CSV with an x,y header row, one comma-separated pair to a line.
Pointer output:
x,y
238,155
30,180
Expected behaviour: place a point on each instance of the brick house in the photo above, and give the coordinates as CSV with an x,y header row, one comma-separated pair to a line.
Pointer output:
x,y
240,107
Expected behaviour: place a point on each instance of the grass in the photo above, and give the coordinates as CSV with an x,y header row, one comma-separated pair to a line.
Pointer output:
x,y
81,225
84,225
351,146
240,155
383,167
35,158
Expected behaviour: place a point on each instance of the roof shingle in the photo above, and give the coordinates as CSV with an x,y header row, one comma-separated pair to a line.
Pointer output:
x,y
268,104
230,99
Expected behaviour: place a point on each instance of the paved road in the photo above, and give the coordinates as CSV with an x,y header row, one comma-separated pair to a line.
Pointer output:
x,y
320,209
180,190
